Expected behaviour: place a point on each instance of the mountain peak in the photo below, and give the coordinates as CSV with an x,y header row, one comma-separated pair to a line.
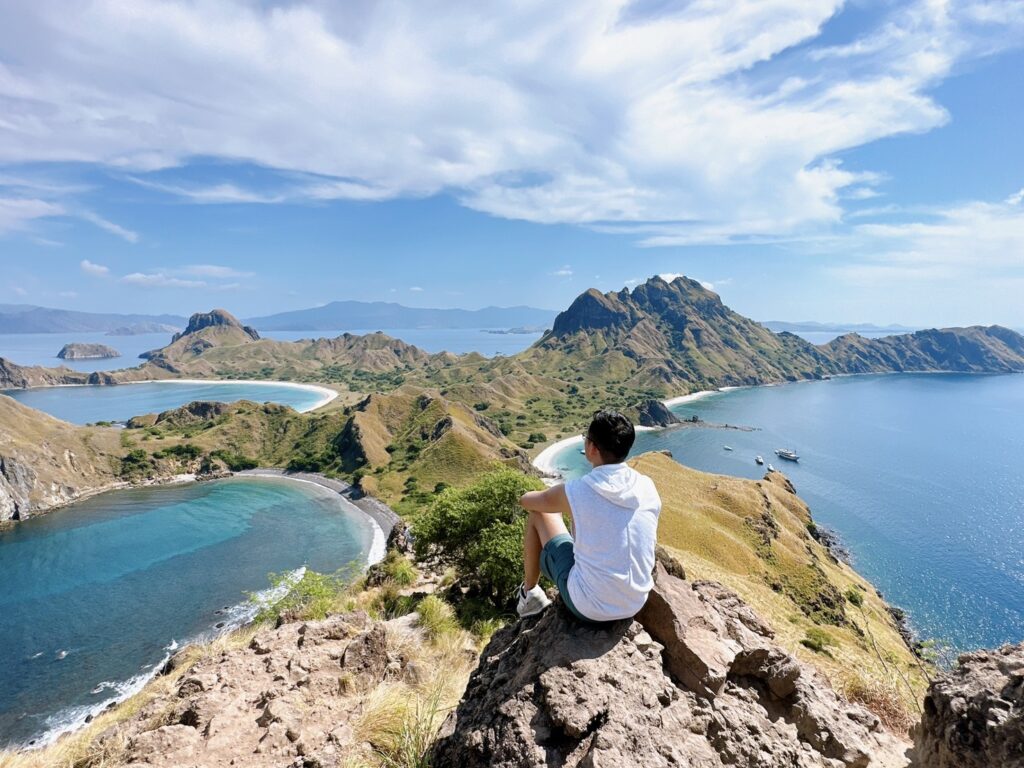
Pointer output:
x,y
215,318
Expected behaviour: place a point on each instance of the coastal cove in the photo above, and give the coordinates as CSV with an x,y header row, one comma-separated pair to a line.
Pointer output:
x,y
88,403
98,594
920,475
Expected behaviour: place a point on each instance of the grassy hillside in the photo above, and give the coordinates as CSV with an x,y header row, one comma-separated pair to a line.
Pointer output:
x,y
754,537
45,462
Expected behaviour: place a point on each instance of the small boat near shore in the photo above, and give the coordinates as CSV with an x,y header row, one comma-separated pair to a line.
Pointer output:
x,y
759,460
771,468
727,447
787,454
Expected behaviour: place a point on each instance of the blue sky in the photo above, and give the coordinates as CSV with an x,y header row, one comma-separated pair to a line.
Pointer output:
x,y
810,160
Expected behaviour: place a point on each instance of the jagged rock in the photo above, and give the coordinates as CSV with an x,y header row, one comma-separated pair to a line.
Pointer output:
x,y
974,717
654,413
694,681
367,654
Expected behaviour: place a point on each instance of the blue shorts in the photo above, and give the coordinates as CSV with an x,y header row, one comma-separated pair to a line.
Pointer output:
x,y
556,560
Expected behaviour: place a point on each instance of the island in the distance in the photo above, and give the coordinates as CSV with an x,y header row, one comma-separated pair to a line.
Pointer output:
x,y
80,351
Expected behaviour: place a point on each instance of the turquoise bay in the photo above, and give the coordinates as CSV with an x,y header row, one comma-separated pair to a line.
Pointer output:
x,y
89,404
921,475
95,594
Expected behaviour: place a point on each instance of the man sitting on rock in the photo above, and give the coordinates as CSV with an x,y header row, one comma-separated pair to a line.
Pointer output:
x,y
604,569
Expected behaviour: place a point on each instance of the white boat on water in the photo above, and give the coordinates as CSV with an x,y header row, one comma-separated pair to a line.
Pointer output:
x,y
787,454
727,447
771,468
759,460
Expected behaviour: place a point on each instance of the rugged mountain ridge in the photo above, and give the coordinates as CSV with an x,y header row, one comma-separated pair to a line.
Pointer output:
x,y
681,334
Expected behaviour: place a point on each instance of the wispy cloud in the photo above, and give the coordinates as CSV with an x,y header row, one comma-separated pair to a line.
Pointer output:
x,y
160,280
214,270
109,226
565,271
416,289
719,123
94,269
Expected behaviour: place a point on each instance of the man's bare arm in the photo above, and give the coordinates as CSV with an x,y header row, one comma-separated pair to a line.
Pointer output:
x,y
552,501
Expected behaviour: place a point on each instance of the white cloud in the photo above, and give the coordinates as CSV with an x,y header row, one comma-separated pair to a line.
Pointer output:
x,y
1016,198
19,213
94,269
959,243
160,280
565,271
18,290
691,117
109,226
668,277
416,289
213,270
68,294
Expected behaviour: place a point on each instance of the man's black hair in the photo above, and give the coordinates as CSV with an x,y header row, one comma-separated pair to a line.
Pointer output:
x,y
613,434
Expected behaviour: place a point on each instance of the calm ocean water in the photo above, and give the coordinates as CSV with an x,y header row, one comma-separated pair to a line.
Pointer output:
x,y
89,404
921,475
95,594
42,348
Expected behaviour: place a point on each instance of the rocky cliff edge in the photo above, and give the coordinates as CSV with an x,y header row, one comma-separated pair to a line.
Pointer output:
x,y
695,680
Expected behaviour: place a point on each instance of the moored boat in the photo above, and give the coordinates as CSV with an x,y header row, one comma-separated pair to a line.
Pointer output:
x,y
787,454
758,460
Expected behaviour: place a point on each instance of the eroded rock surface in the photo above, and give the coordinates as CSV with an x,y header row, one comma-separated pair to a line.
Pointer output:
x,y
291,697
696,680
974,717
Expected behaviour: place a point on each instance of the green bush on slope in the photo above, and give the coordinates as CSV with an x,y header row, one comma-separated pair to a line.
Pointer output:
x,y
478,530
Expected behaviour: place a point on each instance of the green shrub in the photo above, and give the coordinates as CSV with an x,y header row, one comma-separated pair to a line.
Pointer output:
x,y
817,640
236,462
478,530
399,569
136,464
312,597
537,437
185,452
855,597
436,617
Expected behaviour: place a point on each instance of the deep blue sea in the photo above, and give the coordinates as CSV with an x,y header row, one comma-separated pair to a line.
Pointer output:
x,y
89,404
921,475
97,594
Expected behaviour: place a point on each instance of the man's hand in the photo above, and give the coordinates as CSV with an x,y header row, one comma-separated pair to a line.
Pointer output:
x,y
551,501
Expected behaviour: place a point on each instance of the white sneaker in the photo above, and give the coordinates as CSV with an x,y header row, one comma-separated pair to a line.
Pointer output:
x,y
531,602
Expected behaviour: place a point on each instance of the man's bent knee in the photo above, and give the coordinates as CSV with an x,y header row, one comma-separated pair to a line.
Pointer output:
x,y
547,525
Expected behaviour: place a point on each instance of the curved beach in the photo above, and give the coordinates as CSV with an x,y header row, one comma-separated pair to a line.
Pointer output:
x,y
545,460
326,393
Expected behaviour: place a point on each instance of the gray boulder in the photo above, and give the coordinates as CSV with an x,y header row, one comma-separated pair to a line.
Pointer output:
x,y
695,680
974,717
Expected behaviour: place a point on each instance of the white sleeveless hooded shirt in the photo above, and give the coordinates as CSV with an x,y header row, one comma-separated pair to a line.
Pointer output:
x,y
615,519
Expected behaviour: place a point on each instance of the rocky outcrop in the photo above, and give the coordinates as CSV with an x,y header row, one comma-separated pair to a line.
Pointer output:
x,y
14,376
974,717
294,696
217,318
694,680
45,463
78,351
654,413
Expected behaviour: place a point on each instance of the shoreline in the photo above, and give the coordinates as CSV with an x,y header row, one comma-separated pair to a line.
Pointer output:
x,y
380,517
545,460
326,393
